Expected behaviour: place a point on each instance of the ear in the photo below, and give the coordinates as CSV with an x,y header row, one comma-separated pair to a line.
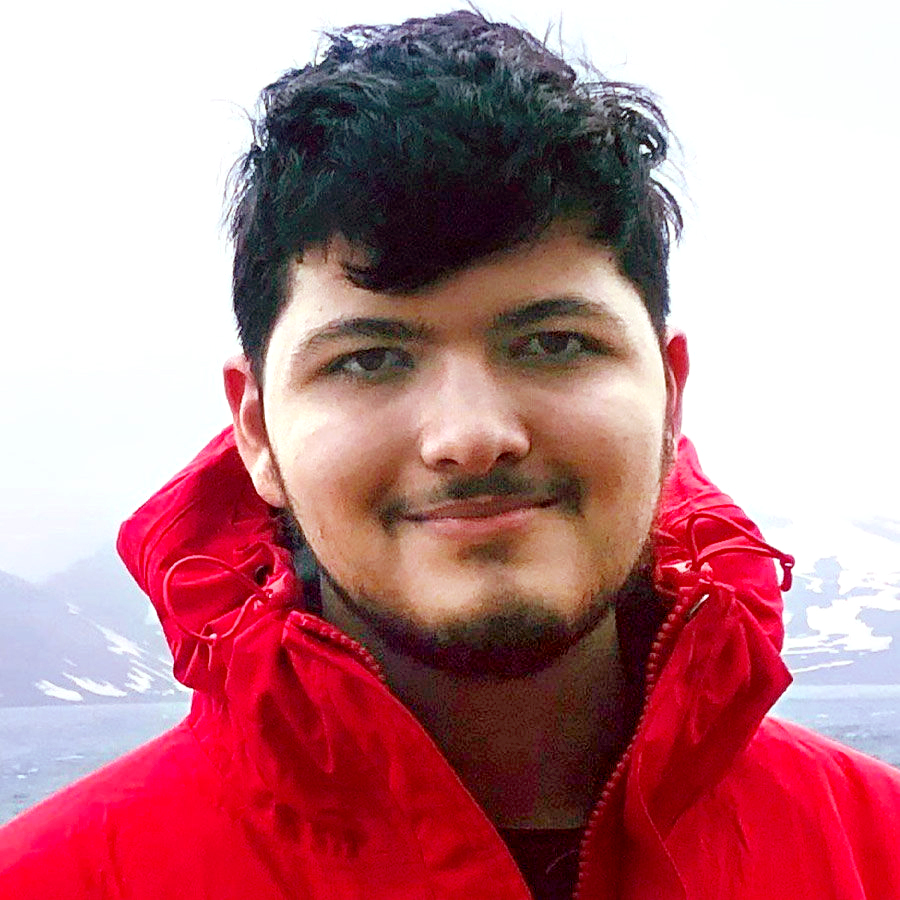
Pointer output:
x,y
245,399
677,365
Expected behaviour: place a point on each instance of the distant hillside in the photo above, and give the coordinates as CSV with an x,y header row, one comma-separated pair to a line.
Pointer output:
x,y
842,636
88,635
843,613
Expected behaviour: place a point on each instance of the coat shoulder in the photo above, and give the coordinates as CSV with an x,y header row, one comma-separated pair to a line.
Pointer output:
x,y
85,840
800,816
849,774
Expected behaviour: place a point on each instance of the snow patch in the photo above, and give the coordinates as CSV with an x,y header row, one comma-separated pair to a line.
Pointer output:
x,y
119,644
887,600
100,688
838,625
807,644
886,588
138,681
49,689
828,665
841,618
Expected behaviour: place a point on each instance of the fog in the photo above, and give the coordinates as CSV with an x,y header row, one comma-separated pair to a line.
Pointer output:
x,y
122,121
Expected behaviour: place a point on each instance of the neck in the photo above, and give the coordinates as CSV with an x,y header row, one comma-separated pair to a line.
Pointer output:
x,y
533,750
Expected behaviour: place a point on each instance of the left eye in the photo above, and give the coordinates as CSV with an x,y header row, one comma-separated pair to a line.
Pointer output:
x,y
551,346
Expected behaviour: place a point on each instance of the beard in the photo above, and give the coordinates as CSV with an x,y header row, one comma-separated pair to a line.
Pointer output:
x,y
518,636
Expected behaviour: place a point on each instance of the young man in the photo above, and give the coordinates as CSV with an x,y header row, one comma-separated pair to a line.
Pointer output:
x,y
462,614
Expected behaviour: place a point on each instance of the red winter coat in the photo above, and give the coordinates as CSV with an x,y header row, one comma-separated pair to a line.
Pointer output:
x,y
298,774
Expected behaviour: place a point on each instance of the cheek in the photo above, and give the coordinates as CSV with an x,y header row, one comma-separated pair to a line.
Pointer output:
x,y
616,432
338,469
615,443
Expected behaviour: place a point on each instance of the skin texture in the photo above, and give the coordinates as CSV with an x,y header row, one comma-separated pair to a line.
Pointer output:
x,y
478,484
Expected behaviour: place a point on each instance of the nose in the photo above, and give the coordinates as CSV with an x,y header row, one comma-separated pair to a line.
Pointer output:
x,y
470,422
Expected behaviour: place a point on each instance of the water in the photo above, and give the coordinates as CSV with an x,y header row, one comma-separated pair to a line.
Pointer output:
x,y
865,716
44,748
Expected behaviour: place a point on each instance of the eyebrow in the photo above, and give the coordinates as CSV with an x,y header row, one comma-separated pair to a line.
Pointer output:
x,y
361,326
399,330
555,308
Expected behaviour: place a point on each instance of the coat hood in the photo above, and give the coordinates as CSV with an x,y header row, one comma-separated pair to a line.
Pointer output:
x,y
204,548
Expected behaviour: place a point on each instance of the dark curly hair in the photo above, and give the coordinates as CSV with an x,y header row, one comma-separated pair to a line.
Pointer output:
x,y
435,143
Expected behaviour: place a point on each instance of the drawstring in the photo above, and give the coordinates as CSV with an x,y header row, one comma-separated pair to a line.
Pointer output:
x,y
757,546
210,639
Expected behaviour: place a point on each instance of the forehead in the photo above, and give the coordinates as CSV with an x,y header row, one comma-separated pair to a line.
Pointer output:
x,y
563,261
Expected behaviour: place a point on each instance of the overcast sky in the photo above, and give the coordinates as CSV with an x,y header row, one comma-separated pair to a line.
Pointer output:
x,y
122,120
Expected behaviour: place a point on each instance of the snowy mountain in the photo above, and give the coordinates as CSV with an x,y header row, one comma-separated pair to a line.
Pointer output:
x,y
88,634
843,614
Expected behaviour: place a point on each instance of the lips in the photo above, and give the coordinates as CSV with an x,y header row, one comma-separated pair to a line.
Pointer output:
x,y
479,508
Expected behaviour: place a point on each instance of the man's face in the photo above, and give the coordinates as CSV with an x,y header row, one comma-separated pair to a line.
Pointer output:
x,y
476,466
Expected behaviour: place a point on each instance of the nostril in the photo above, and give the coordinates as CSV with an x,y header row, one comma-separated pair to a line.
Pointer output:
x,y
474,447
508,456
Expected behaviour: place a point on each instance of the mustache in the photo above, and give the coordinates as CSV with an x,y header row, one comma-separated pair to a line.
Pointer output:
x,y
564,489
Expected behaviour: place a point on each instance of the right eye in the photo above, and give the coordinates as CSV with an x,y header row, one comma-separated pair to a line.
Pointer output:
x,y
371,364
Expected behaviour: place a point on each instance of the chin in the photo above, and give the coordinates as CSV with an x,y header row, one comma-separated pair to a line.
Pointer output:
x,y
510,636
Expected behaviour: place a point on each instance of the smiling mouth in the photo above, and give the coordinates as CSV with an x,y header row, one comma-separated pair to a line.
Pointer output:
x,y
482,518
480,508
499,501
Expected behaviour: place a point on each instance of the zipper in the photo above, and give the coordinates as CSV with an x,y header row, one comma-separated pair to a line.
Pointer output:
x,y
679,616
325,631
683,611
